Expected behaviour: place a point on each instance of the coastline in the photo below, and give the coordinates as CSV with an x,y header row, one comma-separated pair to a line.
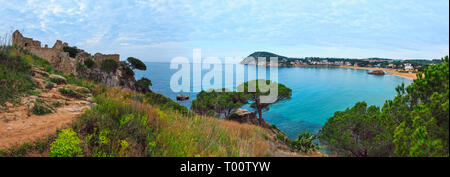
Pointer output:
x,y
387,71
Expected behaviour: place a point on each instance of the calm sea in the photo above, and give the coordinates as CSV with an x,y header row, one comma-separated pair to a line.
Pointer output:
x,y
316,93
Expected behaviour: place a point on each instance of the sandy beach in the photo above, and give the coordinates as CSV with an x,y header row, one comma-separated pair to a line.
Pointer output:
x,y
387,71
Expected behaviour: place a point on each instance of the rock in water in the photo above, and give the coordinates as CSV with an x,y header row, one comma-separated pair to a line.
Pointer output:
x,y
182,97
377,72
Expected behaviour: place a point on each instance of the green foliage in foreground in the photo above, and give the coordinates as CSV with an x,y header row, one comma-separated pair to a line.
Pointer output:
x,y
41,108
67,91
67,144
306,142
415,123
164,103
15,74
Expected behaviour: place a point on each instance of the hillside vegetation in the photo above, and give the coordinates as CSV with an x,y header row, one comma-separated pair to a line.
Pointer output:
x,y
415,123
123,122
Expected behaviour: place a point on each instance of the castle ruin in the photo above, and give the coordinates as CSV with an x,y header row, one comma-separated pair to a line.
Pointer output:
x,y
56,54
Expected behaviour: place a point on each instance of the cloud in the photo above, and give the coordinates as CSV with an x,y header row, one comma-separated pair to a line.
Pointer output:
x,y
237,27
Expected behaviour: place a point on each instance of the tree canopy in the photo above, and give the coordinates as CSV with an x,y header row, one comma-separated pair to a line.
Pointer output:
x,y
254,96
136,63
144,83
414,123
218,102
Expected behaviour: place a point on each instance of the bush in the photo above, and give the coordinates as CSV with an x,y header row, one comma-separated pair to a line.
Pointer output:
x,y
144,83
305,143
71,50
67,144
15,74
58,81
128,71
136,63
164,102
89,63
41,108
67,91
109,65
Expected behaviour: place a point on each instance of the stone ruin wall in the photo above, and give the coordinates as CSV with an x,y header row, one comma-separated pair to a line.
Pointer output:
x,y
56,55
98,57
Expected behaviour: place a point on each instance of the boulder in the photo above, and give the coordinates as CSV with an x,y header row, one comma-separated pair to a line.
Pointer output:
x,y
244,116
59,78
40,72
182,97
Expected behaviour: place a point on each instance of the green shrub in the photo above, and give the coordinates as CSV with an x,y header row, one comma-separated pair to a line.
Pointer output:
x,y
41,108
164,102
273,126
57,104
109,65
15,74
144,83
57,80
89,63
67,144
71,50
305,143
67,91
281,137
128,72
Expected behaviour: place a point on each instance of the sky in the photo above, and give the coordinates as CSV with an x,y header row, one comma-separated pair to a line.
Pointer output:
x,y
156,30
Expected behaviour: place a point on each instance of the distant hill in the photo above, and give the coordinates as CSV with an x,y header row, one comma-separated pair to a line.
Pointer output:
x,y
251,59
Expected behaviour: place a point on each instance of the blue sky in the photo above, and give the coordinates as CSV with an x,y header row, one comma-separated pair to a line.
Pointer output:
x,y
155,30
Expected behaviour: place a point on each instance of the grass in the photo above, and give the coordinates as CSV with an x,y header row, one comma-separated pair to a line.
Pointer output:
x,y
70,92
15,75
126,123
41,108
122,126
39,146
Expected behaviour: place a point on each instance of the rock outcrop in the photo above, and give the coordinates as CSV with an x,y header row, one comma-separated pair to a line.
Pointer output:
x,y
377,72
244,116
62,60
182,97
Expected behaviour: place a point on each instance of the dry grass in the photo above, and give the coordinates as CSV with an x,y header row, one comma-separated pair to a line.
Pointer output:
x,y
187,135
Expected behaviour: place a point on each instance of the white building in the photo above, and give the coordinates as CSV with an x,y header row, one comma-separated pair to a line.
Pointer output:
x,y
408,66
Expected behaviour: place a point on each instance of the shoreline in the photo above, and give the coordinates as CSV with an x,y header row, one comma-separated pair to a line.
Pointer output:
x,y
387,71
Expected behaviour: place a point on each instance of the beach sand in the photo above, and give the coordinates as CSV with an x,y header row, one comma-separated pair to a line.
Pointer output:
x,y
387,71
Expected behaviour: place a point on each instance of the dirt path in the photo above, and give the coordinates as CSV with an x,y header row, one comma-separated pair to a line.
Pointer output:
x,y
19,125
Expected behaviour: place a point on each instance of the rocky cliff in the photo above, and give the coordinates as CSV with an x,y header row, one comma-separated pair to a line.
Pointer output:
x,y
73,61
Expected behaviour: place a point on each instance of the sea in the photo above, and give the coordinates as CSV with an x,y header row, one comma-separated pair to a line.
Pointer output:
x,y
317,92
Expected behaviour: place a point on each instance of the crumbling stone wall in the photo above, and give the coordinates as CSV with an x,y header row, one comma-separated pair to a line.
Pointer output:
x,y
99,57
55,55
63,62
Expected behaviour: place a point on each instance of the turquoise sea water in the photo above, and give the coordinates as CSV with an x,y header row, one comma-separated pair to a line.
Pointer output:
x,y
316,93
